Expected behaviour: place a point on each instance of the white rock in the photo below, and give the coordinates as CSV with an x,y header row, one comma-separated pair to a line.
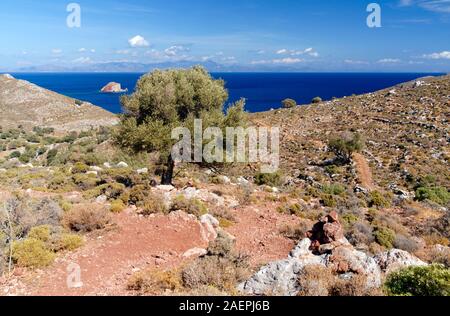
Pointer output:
x,y
209,225
92,173
95,168
195,252
226,180
2,170
122,164
395,259
165,188
242,181
8,76
101,199
107,165
142,171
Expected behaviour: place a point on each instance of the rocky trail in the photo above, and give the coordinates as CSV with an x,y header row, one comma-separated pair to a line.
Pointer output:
x,y
135,243
364,172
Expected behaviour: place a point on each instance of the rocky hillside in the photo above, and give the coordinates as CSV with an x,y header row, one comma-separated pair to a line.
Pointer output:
x,y
406,132
23,103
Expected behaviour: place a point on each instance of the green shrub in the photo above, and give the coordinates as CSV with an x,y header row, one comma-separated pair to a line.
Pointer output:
x,y
31,253
153,204
289,103
316,100
334,189
376,198
14,154
117,206
80,167
272,179
384,236
190,206
69,242
328,200
111,190
41,233
51,156
345,145
439,195
433,280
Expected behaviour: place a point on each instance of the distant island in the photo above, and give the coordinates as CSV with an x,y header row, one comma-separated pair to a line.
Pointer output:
x,y
113,87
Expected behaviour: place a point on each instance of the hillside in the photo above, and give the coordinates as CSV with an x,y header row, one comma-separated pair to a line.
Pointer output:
x,y
23,103
320,226
406,129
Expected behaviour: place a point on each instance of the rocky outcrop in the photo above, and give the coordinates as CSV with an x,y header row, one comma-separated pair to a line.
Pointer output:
x,y
326,247
396,259
113,87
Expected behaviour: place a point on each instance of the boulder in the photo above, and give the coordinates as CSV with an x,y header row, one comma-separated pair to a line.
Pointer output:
x,y
395,259
122,165
327,234
142,171
195,252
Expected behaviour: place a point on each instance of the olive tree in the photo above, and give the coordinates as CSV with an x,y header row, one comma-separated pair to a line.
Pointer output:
x,y
164,100
345,145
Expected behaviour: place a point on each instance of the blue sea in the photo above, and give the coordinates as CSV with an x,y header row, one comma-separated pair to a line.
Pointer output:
x,y
263,91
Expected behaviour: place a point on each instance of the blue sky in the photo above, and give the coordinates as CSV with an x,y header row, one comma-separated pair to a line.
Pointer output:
x,y
277,35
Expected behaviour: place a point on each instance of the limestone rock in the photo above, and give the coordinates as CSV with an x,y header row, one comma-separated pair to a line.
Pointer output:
x,y
395,259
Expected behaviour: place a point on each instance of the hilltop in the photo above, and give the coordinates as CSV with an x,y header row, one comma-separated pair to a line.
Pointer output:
x,y
26,104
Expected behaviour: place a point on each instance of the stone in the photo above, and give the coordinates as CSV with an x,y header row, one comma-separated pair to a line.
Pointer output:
x,y
95,168
122,165
107,165
142,171
242,181
395,259
209,225
195,252
101,199
95,173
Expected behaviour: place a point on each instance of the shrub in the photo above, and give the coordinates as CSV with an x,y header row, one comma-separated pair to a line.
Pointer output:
x,y
295,232
41,233
154,204
334,189
289,103
316,100
191,206
51,154
87,218
345,145
405,243
32,253
315,280
384,236
117,206
433,280
272,179
377,199
80,167
111,190
14,154
155,282
328,200
220,268
68,242
439,195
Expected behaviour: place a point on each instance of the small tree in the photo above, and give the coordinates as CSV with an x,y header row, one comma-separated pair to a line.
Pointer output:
x,y
316,100
289,103
164,100
344,146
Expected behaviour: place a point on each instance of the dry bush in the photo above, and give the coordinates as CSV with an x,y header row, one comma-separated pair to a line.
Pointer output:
x,y
221,268
153,204
355,286
155,282
296,232
87,218
315,280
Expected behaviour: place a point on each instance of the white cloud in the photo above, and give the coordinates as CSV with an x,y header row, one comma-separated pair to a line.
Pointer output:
x,y
441,55
82,50
175,50
441,6
138,41
388,61
288,60
355,62
56,51
82,60
308,51
123,51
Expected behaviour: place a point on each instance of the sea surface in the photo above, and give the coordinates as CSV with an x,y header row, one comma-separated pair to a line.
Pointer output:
x,y
263,91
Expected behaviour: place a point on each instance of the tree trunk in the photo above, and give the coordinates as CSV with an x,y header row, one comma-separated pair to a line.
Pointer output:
x,y
167,175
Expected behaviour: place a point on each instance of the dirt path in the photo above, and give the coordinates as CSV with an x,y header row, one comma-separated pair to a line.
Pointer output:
x,y
109,259
364,171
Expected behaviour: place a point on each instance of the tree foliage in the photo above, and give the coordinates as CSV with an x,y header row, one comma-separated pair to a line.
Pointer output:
x,y
164,100
344,146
